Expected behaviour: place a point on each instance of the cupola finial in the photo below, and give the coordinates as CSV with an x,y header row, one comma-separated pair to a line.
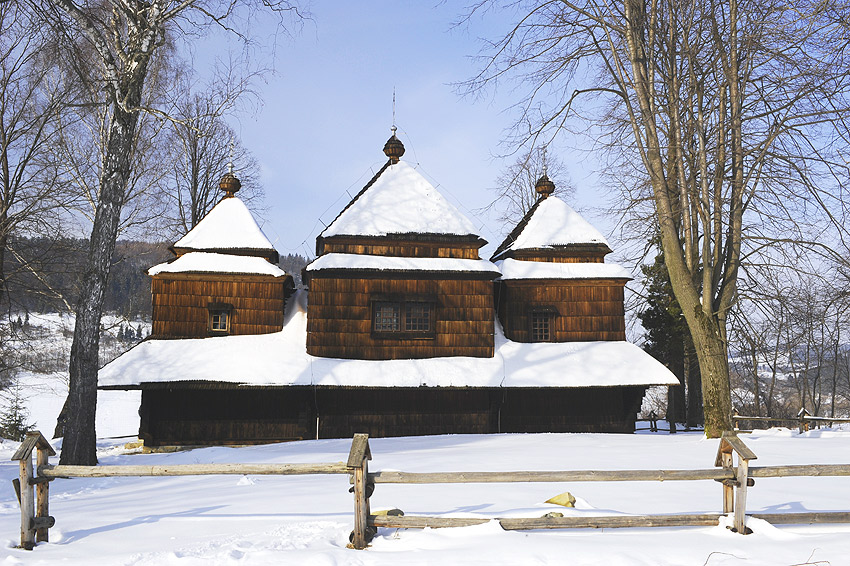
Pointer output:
x,y
229,182
544,185
394,149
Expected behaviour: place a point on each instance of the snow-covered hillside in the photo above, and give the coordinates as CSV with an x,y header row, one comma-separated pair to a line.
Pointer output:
x,y
259,520
42,348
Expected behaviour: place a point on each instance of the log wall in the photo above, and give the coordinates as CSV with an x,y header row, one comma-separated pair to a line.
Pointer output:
x,y
587,256
402,249
176,416
180,304
587,309
339,319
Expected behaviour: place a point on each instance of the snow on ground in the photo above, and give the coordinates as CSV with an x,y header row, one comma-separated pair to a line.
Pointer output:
x,y
117,411
43,383
305,520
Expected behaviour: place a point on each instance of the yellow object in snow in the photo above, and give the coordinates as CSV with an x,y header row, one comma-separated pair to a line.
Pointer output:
x,y
389,512
565,499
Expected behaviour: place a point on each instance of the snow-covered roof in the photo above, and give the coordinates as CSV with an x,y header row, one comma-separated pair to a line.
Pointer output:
x,y
551,223
518,269
359,262
207,262
399,201
281,359
229,225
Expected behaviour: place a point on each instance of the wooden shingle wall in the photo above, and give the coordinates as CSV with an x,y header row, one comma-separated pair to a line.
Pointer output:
x,y
243,415
402,249
586,256
403,245
339,323
587,309
180,304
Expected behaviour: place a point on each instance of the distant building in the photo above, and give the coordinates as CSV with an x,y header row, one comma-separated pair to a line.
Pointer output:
x,y
405,330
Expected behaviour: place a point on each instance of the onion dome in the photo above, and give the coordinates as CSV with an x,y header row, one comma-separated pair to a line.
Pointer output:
x,y
544,186
394,149
230,184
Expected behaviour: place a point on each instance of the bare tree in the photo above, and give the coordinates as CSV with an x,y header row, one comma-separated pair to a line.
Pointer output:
x,y
730,115
515,192
32,191
121,40
202,146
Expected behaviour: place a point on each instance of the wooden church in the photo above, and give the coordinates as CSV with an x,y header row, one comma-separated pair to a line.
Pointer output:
x,y
403,328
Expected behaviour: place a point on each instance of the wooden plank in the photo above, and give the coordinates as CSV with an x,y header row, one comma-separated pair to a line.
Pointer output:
x,y
359,450
42,491
740,523
815,470
27,504
560,476
738,446
408,522
63,471
516,524
611,522
360,454
32,441
804,518
728,490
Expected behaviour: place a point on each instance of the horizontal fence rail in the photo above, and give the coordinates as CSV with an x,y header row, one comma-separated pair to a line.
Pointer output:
x,y
32,488
803,420
54,472
551,477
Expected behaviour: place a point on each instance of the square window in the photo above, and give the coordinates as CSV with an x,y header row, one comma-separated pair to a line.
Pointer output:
x,y
541,326
417,317
403,318
219,321
387,316
220,316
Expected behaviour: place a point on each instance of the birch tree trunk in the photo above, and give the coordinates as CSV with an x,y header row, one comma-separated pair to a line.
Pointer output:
x,y
79,443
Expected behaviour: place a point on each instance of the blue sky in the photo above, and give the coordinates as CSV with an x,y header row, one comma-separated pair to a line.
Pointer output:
x,y
327,112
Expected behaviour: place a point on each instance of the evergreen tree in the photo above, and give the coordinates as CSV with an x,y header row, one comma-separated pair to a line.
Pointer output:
x,y
668,340
13,421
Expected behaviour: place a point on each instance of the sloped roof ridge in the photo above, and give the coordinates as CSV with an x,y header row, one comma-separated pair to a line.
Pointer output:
x,y
399,201
228,226
359,194
556,225
514,234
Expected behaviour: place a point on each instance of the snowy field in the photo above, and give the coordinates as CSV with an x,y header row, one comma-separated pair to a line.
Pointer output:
x,y
259,520
232,520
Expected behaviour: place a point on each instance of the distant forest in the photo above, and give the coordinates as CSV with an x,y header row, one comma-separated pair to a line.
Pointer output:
x,y
44,275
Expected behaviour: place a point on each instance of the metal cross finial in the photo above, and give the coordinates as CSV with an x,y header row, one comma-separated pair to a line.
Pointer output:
x,y
230,163
393,128
544,160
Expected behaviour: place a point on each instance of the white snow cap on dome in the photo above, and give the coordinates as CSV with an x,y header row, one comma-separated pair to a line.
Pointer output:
x,y
555,223
206,262
229,225
400,201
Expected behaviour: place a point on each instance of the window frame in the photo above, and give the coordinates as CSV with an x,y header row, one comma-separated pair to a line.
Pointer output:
x,y
404,305
550,313
214,309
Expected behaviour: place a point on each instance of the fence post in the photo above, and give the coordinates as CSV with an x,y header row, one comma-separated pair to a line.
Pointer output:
x,y
358,465
730,442
724,460
42,491
33,519
804,425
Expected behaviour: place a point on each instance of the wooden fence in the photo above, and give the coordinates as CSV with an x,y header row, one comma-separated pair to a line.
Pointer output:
x,y
804,420
735,479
